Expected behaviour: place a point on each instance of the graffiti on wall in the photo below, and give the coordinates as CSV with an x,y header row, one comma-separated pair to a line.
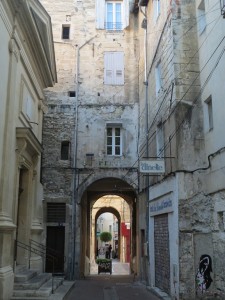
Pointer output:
x,y
203,278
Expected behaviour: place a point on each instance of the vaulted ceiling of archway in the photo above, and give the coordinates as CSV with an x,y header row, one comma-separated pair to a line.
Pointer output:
x,y
108,209
111,186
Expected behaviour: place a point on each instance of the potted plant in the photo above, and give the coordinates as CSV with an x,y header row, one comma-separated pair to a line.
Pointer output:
x,y
104,265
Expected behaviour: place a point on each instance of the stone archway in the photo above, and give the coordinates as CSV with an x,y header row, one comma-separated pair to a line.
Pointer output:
x,y
94,191
119,226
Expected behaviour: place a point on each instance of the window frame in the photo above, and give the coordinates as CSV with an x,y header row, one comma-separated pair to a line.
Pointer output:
x,y
116,26
209,107
158,78
202,17
100,6
160,141
65,144
113,144
67,37
157,9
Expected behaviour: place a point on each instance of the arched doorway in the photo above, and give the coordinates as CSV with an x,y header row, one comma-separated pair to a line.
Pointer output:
x,y
112,188
111,213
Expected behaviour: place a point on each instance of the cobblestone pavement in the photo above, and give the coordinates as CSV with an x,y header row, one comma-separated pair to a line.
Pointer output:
x,y
110,287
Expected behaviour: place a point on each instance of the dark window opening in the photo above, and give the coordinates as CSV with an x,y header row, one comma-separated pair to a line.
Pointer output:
x,y
66,32
65,147
72,94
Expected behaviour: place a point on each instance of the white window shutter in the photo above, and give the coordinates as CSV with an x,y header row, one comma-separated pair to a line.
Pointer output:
x,y
126,13
100,14
119,68
114,68
108,72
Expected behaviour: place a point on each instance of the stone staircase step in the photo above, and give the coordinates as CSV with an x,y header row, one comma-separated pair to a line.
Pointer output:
x,y
34,283
44,291
59,294
24,276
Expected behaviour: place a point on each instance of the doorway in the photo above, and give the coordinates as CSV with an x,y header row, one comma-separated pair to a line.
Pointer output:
x,y
55,247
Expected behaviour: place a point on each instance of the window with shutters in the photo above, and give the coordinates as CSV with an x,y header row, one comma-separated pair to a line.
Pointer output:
x,y
114,141
201,17
157,8
114,68
112,15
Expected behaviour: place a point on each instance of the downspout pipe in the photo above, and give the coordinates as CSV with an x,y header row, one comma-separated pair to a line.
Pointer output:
x,y
146,130
75,185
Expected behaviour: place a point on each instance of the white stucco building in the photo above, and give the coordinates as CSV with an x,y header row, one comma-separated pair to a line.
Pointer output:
x,y
27,67
183,97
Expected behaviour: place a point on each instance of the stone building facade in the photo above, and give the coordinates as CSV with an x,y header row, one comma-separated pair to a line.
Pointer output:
x,y
182,97
27,66
90,130
133,83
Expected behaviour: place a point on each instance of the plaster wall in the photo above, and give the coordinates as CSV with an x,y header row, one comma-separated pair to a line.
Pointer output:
x,y
167,192
21,94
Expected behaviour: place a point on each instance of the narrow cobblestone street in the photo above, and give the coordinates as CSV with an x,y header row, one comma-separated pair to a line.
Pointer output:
x,y
110,287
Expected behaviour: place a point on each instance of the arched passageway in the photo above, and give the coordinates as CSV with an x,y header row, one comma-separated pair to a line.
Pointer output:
x,y
111,195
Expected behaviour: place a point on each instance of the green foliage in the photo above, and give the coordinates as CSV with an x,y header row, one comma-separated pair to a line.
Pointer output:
x,y
105,236
102,260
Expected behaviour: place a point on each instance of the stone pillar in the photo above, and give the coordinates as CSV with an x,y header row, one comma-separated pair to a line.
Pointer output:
x,y
6,258
7,184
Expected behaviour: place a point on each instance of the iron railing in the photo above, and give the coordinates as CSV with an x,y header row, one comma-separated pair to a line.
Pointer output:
x,y
40,250
55,253
111,26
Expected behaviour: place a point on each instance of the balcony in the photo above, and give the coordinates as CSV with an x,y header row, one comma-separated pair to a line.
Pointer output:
x,y
115,27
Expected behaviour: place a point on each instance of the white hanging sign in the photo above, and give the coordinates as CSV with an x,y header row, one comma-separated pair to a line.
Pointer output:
x,y
152,166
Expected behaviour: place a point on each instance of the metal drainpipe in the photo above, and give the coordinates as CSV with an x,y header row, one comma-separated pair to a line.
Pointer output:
x,y
146,133
75,153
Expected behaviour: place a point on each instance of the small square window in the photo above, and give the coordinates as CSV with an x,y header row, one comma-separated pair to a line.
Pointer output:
x,y
72,94
65,32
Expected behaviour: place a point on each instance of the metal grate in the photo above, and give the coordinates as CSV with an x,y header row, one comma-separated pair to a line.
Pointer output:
x,y
56,212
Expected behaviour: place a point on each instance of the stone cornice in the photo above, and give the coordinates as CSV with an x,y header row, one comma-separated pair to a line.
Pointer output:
x,y
33,34
26,140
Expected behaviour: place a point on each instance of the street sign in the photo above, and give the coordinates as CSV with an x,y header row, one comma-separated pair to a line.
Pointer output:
x,y
152,166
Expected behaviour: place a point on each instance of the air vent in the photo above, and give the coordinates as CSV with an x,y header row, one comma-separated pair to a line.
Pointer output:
x,y
56,212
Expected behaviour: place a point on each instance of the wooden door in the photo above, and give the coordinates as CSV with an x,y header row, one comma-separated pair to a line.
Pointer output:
x,y
55,247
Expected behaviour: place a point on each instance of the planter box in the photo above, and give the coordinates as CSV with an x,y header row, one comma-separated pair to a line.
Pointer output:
x,y
104,266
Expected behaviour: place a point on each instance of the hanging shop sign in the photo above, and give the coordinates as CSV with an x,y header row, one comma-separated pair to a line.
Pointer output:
x,y
152,166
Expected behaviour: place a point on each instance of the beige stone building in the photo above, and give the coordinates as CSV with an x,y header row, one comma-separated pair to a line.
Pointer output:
x,y
90,131
27,66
